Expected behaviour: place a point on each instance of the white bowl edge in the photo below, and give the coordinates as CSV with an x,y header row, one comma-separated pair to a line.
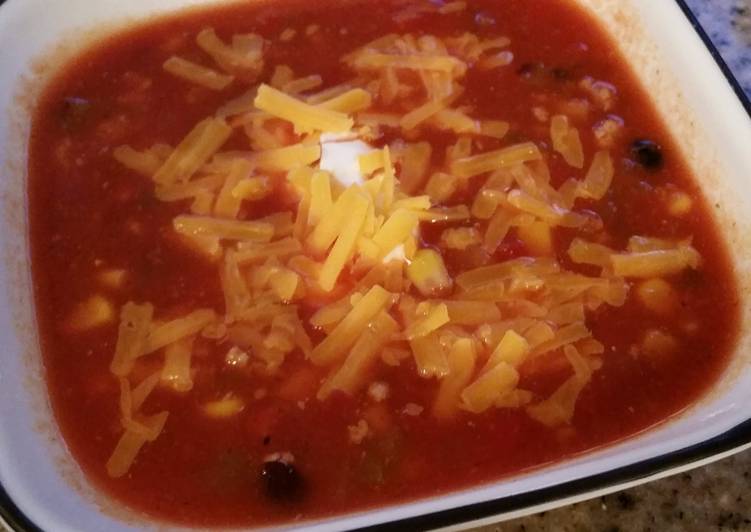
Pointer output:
x,y
670,59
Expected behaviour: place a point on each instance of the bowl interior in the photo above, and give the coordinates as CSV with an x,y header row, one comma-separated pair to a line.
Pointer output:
x,y
695,100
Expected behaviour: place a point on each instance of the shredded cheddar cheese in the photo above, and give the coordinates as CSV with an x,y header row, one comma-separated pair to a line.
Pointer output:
x,y
305,117
211,79
382,293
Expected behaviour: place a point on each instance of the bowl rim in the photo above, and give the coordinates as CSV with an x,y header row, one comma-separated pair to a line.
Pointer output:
x,y
728,443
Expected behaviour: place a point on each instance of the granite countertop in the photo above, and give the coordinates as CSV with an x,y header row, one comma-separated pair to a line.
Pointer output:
x,y
711,498
728,23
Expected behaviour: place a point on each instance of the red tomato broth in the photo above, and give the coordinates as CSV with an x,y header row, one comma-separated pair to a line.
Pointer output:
x,y
205,472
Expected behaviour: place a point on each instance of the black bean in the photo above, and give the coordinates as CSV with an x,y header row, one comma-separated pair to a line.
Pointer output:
x,y
73,112
561,74
281,481
530,70
647,153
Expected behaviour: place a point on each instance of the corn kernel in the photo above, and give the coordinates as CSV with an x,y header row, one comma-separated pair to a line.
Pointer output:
x,y
91,313
428,272
658,344
112,278
679,204
657,295
460,237
224,408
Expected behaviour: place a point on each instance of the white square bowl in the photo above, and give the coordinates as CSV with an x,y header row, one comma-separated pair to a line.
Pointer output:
x,y
42,488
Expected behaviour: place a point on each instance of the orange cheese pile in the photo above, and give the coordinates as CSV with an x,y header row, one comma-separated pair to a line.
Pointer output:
x,y
472,333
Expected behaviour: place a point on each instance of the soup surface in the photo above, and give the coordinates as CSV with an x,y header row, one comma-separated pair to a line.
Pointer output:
x,y
298,258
